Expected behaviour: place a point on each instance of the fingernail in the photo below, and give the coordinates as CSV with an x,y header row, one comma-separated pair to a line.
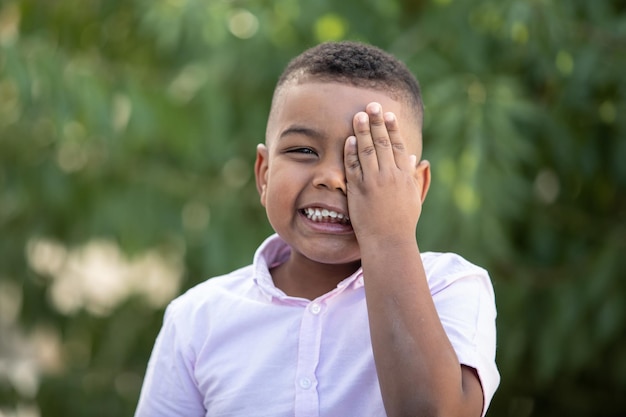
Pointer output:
x,y
362,117
376,109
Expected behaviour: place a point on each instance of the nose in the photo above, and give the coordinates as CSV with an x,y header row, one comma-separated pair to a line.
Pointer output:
x,y
331,174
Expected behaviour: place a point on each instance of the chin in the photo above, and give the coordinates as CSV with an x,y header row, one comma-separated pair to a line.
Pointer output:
x,y
332,257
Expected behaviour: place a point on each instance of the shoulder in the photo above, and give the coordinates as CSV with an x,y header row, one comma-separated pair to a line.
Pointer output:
x,y
444,269
211,293
448,263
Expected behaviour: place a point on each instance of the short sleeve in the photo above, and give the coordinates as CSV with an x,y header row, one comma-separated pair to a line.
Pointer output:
x,y
169,387
465,302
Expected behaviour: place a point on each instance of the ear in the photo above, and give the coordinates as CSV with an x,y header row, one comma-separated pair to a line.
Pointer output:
x,y
261,166
422,174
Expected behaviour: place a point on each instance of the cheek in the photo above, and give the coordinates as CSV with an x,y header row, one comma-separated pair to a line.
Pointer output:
x,y
275,189
283,187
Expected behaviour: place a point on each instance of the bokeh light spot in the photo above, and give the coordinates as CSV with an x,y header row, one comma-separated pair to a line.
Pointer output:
x,y
243,24
236,172
195,216
476,92
10,302
547,186
187,83
519,33
98,276
565,62
10,107
466,198
330,27
122,110
607,112
9,23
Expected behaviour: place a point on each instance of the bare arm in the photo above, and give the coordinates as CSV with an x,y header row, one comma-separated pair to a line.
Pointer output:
x,y
418,370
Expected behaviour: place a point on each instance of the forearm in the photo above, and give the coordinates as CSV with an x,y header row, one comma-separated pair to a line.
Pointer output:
x,y
418,370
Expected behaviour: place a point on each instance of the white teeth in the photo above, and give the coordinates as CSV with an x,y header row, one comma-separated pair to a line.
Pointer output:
x,y
317,214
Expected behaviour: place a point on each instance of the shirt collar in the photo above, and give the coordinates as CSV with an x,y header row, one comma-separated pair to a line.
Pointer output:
x,y
274,251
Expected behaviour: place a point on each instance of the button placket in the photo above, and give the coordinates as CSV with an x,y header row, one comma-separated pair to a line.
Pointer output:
x,y
307,399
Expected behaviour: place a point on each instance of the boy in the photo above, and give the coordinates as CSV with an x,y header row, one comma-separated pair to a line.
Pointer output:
x,y
339,314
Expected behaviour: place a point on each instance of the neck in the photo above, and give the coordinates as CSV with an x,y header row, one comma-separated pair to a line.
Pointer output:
x,y
304,278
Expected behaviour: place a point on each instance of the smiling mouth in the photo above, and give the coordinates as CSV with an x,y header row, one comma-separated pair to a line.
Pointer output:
x,y
325,216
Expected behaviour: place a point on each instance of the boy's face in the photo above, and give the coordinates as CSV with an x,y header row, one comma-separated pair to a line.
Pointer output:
x,y
300,172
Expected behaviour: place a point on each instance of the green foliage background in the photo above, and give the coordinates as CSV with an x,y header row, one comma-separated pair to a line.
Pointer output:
x,y
134,123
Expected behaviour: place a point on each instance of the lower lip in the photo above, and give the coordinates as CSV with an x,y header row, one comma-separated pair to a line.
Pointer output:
x,y
327,227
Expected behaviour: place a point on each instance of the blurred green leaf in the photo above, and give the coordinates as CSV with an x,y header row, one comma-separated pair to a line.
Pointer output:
x,y
134,122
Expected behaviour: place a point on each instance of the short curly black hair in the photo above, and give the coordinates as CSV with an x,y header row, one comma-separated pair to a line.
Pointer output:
x,y
357,64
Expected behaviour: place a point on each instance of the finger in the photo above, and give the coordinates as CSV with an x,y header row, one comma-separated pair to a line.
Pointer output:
x,y
351,160
397,142
380,136
365,145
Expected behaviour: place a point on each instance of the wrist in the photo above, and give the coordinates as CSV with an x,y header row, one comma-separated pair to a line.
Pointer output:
x,y
385,243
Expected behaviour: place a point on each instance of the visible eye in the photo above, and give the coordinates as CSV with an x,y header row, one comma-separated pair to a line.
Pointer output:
x,y
305,151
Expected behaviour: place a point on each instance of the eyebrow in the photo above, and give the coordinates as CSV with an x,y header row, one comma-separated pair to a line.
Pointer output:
x,y
301,130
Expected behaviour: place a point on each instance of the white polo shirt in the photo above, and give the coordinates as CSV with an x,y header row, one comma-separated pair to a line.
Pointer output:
x,y
236,345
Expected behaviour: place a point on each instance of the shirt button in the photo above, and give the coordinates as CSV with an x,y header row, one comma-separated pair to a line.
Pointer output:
x,y
305,383
315,308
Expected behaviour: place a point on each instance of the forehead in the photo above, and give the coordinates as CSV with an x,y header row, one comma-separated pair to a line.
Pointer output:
x,y
331,106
